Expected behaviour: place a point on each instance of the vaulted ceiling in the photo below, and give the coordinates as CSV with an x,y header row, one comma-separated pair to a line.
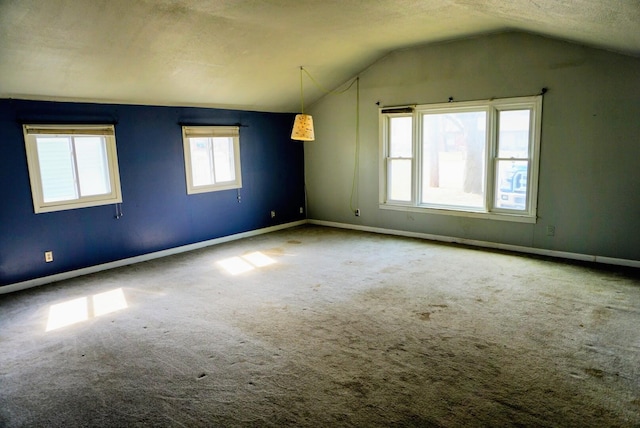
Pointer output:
x,y
246,53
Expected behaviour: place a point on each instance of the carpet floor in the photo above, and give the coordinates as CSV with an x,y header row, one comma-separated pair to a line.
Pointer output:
x,y
315,326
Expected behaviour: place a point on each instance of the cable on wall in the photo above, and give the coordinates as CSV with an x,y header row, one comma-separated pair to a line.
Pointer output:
x,y
356,167
119,212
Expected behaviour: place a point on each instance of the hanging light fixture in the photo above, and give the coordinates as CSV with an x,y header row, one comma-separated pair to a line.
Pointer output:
x,y
303,124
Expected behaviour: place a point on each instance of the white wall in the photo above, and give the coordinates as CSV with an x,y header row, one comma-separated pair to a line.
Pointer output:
x,y
589,186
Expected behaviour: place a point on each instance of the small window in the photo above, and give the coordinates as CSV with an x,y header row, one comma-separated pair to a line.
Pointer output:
x,y
72,166
400,163
212,158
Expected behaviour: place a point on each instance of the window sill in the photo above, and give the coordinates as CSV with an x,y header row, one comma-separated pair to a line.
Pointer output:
x,y
40,208
207,189
518,218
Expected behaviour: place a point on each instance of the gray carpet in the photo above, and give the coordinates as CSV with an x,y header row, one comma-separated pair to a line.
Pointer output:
x,y
323,327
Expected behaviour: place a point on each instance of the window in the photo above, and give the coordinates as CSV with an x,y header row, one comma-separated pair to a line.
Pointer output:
x,y
476,158
72,166
212,158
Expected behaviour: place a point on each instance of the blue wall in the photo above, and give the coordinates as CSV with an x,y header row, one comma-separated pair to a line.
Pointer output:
x,y
158,213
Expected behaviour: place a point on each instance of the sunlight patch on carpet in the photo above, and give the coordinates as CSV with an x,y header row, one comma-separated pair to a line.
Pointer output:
x,y
81,309
248,262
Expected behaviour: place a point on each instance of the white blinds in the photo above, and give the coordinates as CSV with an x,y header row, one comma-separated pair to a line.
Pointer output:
x,y
211,131
105,130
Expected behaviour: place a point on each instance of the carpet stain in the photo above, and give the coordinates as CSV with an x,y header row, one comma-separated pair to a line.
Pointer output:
x,y
357,387
202,376
601,315
594,372
424,316
397,347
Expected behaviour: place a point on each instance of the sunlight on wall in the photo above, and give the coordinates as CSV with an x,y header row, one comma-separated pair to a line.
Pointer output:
x,y
245,263
81,309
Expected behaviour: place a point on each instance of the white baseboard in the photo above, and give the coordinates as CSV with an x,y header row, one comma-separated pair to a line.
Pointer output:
x,y
143,258
485,244
476,243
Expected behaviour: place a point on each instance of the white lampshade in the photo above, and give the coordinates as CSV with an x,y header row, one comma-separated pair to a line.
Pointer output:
x,y
303,128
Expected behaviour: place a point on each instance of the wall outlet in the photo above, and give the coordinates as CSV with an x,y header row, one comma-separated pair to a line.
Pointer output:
x,y
273,214
301,210
551,230
48,256
357,212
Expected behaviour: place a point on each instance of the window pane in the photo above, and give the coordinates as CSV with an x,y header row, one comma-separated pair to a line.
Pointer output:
x,y
400,179
511,184
93,170
223,158
453,161
513,138
56,169
201,162
400,142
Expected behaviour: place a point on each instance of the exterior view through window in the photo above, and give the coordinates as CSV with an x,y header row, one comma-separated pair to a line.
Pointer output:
x,y
469,158
512,163
212,158
400,158
453,159
72,166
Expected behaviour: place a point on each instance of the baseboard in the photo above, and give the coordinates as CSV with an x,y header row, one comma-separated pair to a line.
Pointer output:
x,y
190,247
485,244
143,258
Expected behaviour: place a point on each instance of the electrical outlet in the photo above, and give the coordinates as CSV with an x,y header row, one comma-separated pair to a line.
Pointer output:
x,y
357,212
551,230
48,256
273,214
301,210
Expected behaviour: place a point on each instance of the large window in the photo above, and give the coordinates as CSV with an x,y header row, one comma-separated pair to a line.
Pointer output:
x,y
212,158
72,166
475,158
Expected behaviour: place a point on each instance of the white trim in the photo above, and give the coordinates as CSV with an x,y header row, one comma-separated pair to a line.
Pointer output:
x,y
232,132
107,132
485,244
491,108
190,247
143,258
504,216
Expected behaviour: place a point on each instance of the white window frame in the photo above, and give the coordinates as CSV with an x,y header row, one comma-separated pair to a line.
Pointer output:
x,y
31,132
492,109
211,132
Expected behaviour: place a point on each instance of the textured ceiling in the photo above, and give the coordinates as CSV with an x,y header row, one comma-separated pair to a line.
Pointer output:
x,y
246,53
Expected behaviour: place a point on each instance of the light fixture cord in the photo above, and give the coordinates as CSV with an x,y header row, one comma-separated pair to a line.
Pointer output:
x,y
356,166
301,92
328,91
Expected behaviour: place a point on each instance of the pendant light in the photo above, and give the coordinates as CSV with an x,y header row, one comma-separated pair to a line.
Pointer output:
x,y
303,124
